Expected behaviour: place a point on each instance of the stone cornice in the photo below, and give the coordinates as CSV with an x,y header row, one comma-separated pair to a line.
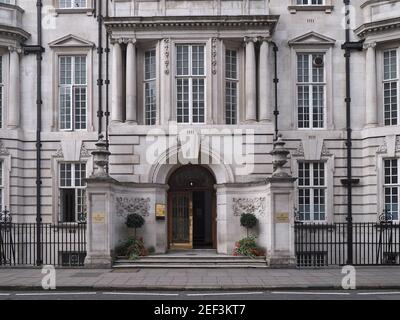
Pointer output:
x,y
13,33
378,26
192,22
12,6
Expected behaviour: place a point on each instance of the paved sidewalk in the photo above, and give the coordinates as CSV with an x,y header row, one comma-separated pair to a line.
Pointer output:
x,y
200,279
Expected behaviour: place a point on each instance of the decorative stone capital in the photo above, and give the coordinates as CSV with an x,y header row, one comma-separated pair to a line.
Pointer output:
x,y
15,49
369,45
250,39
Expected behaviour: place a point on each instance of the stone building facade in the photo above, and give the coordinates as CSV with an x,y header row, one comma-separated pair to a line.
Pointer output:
x,y
200,72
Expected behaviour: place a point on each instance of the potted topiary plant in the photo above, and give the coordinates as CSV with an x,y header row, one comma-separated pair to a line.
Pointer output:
x,y
249,221
135,221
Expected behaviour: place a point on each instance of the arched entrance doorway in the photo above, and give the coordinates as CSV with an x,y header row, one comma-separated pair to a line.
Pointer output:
x,y
192,209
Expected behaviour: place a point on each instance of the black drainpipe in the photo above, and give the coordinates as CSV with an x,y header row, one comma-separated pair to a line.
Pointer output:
x,y
348,46
107,82
38,51
100,112
276,81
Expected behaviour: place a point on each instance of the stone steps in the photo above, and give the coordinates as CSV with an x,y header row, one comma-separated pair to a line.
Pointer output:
x,y
183,262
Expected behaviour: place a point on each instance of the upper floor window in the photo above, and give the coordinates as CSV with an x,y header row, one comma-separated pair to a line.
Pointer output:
x,y
312,191
231,86
311,88
310,2
391,88
71,4
72,92
392,188
150,106
190,83
72,192
1,92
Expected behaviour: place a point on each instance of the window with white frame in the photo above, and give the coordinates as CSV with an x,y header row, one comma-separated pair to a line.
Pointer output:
x,y
72,92
231,86
1,186
312,191
150,106
392,188
72,188
391,103
6,1
190,83
310,2
311,88
1,92
72,4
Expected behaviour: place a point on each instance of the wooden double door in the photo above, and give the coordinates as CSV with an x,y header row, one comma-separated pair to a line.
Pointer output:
x,y
191,214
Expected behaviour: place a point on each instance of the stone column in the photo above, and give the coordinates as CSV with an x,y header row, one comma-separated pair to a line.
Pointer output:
x,y
264,82
371,110
116,84
251,81
14,90
131,95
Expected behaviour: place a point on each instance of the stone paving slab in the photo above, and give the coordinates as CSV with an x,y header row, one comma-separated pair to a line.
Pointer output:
x,y
200,279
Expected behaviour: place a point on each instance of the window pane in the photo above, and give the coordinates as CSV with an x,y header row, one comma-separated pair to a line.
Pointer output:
x,y
182,60
81,204
317,72
80,174
150,64
319,204
65,174
198,100
182,87
303,67
390,64
231,102
231,64
80,70
150,103
1,91
65,108
198,60
318,106
65,70
303,103
80,108
390,103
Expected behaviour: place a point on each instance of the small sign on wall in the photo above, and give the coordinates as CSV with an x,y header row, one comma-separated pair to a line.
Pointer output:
x,y
282,217
99,218
161,211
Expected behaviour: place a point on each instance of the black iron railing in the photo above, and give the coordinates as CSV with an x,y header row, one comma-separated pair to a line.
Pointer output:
x,y
318,244
60,245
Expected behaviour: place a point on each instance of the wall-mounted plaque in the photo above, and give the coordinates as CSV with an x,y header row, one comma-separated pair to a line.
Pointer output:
x,y
161,211
282,217
99,218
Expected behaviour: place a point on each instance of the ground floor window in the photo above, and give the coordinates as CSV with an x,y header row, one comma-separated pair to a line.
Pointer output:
x,y
72,192
312,191
392,189
1,187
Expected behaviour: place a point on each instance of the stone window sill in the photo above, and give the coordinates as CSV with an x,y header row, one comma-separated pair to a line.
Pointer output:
x,y
294,9
88,11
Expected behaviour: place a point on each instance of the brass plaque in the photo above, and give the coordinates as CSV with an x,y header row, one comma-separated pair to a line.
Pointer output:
x,y
282,217
99,218
160,211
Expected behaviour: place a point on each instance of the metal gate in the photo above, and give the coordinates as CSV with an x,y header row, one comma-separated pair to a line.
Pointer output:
x,y
319,245
60,245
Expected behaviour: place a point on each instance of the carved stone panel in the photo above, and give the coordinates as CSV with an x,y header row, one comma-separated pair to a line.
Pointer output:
x,y
254,206
126,206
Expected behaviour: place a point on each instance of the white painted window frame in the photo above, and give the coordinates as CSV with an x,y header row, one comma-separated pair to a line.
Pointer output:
x,y
68,51
2,89
328,114
206,77
73,86
397,80
147,81
329,182
72,186
391,186
236,80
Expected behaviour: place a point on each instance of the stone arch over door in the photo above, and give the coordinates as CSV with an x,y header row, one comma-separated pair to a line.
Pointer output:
x,y
161,170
